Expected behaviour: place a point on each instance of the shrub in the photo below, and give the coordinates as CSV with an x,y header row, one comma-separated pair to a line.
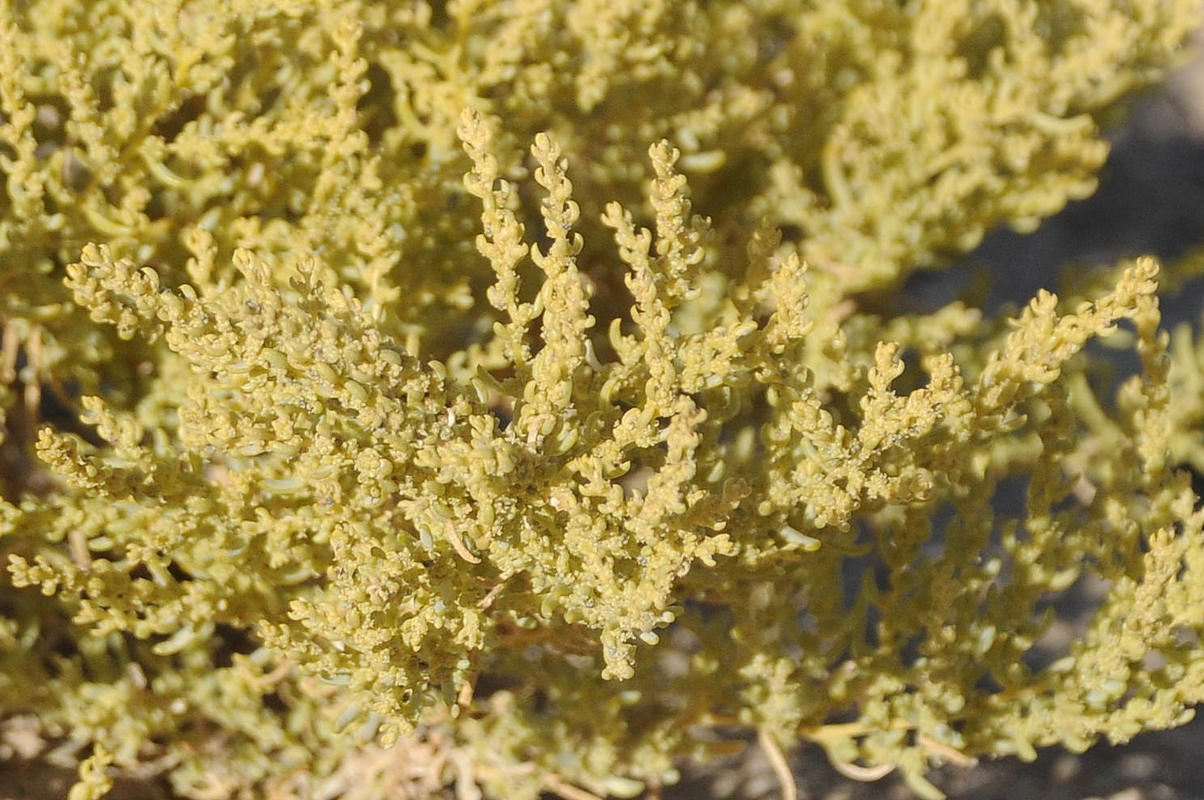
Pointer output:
x,y
542,380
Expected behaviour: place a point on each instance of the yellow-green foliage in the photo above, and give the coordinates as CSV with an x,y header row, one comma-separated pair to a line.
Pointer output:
x,y
529,376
